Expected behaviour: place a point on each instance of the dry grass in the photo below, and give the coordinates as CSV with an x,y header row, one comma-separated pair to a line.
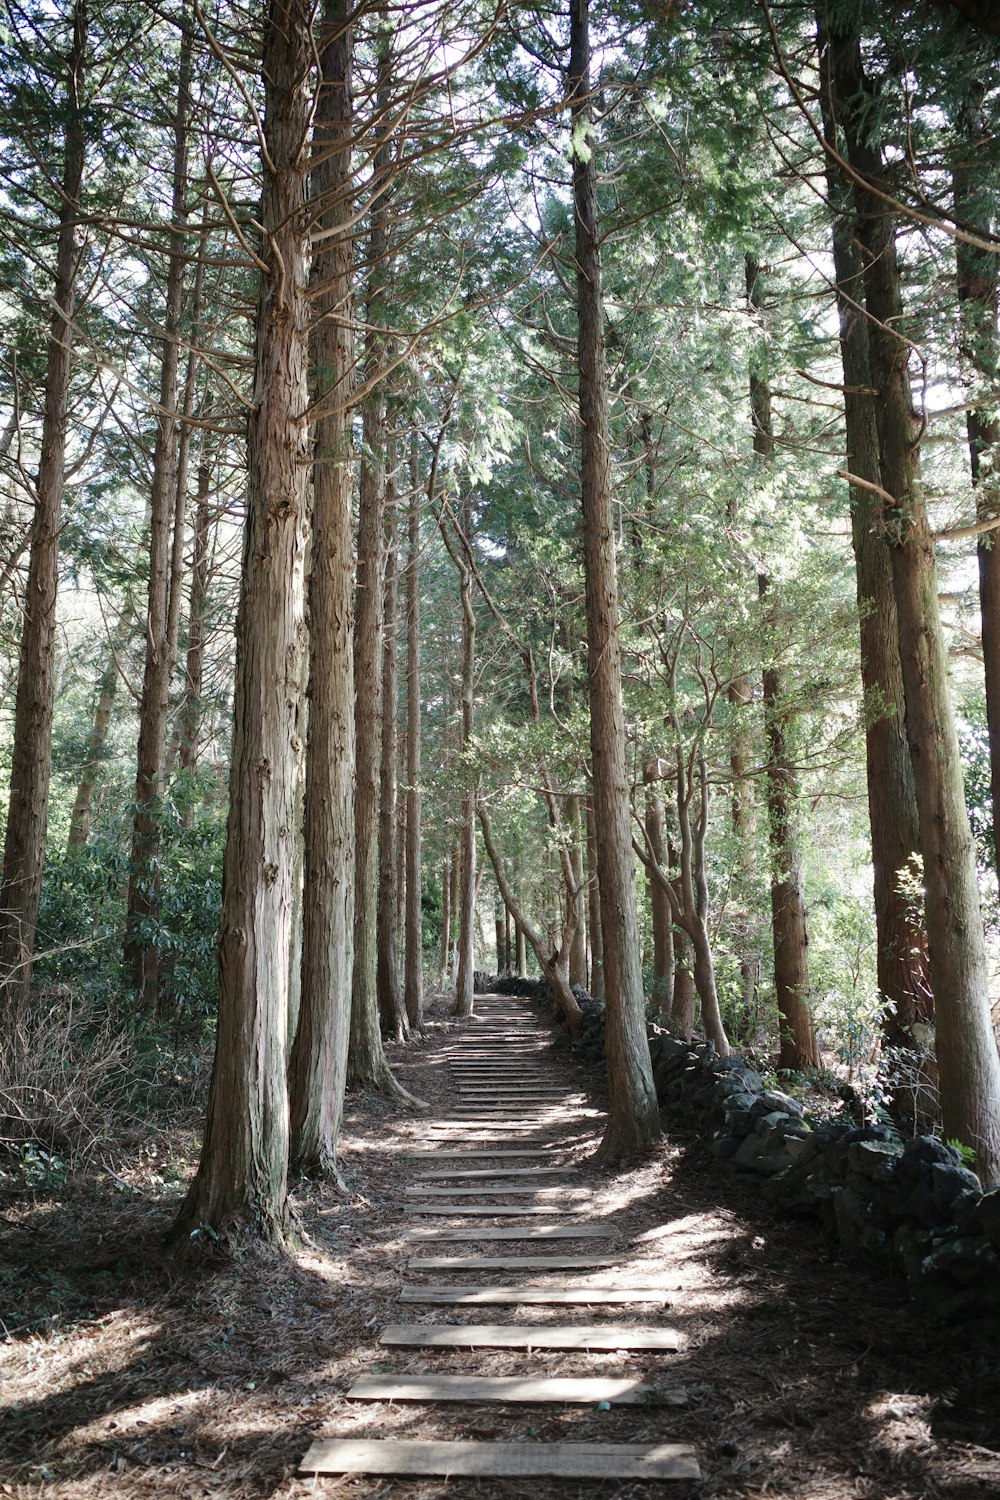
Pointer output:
x,y
67,1073
123,1375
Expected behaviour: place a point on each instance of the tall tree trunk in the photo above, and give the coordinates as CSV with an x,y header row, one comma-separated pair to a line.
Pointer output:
x,y
551,952
902,959
241,1180
740,696
682,1009
662,920
194,667
388,978
31,766
107,691
578,956
797,1037
968,1063
464,982
141,954
594,929
446,909
413,982
977,274
633,1116
366,1062
318,1062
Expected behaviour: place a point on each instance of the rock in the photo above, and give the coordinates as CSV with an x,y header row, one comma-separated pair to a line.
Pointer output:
x,y
724,1147
924,1150
802,1149
949,1181
964,1259
867,1157
775,1099
988,1216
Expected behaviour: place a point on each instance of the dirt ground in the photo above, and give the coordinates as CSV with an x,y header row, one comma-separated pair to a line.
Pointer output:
x,y
123,1374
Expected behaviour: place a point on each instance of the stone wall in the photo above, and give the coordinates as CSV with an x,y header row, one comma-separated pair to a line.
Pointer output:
x,y
912,1204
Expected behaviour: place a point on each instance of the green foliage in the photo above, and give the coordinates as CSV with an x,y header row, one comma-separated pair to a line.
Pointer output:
x,y
83,904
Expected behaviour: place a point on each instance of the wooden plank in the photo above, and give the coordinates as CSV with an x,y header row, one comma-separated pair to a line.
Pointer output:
x,y
512,1262
470,1091
500,1152
483,1210
583,1230
581,1336
494,1172
491,1190
617,1390
501,1460
532,1296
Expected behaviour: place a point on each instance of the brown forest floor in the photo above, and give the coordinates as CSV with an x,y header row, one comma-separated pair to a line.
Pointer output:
x,y
123,1375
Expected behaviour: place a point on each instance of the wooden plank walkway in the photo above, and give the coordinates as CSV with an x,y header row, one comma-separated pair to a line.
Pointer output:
x,y
513,1124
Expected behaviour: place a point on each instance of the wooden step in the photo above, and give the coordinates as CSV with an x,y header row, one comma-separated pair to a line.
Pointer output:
x,y
532,1296
483,1210
494,1172
501,1153
512,1262
489,1190
501,1460
584,1230
620,1390
575,1336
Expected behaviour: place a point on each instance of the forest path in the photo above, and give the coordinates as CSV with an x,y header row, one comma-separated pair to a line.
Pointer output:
x,y
505,1089
122,1376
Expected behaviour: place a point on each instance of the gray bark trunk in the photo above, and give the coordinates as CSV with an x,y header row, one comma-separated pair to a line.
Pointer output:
x,y
902,960
31,765
413,982
797,1038
388,977
633,1116
318,1063
241,1182
464,986
141,954
968,1064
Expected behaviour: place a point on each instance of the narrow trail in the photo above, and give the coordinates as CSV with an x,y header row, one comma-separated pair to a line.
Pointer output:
x,y
496,1197
785,1368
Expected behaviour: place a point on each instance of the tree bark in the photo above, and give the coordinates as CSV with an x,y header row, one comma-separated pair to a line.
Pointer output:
x,y
366,1063
194,664
388,978
578,955
662,920
553,958
464,981
594,930
107,691
141,954
902,959
633,1116
968,1063
240,1185
413,982
681,1019
31,765
688,894
445,916
977,275
796,1035
318,1062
